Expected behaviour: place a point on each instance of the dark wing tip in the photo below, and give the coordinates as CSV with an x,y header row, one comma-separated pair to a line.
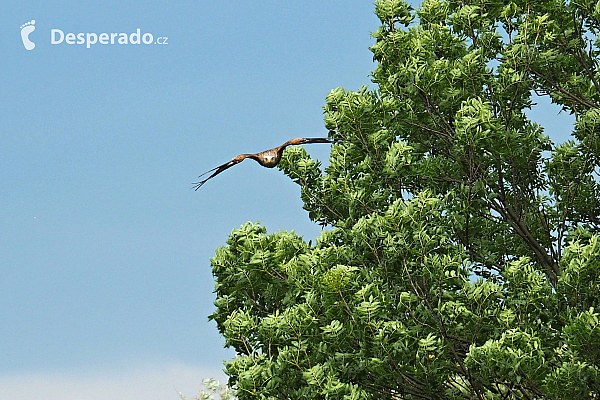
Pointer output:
x,y
198,185
210,170
317,140
218,170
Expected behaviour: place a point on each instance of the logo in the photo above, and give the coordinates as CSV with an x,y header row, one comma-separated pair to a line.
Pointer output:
x,y
26,29
89,39
57,36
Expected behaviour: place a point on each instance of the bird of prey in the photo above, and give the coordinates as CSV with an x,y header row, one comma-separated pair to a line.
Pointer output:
x,y
268,158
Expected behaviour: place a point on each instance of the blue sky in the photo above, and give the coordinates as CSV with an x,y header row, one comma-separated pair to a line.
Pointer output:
x,y
105,281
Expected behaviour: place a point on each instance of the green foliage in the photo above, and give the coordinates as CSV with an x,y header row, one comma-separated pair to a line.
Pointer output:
x,y
461,258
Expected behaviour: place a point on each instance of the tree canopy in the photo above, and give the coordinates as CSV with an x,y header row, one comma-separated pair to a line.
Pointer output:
x,y
461,255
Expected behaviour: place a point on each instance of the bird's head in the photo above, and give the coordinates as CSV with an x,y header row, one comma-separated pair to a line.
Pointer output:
x,y
269,160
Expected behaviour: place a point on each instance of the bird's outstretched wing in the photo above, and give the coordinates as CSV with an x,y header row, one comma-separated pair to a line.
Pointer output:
x,y
219,169
297,141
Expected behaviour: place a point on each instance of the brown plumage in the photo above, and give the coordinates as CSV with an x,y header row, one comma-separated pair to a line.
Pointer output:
x,y
268,158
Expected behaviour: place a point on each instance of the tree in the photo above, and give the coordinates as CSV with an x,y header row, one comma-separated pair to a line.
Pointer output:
x,y
462,255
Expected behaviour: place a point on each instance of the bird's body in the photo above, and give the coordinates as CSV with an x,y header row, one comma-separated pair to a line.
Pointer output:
x,y
268,158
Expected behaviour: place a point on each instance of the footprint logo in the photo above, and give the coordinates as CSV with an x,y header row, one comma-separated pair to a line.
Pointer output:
x,y
26,29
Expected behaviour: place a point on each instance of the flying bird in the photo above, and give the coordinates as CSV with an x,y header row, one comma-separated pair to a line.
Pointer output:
x,y
268,158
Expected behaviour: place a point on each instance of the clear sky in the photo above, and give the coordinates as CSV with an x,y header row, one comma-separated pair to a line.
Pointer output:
x,y
105,281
